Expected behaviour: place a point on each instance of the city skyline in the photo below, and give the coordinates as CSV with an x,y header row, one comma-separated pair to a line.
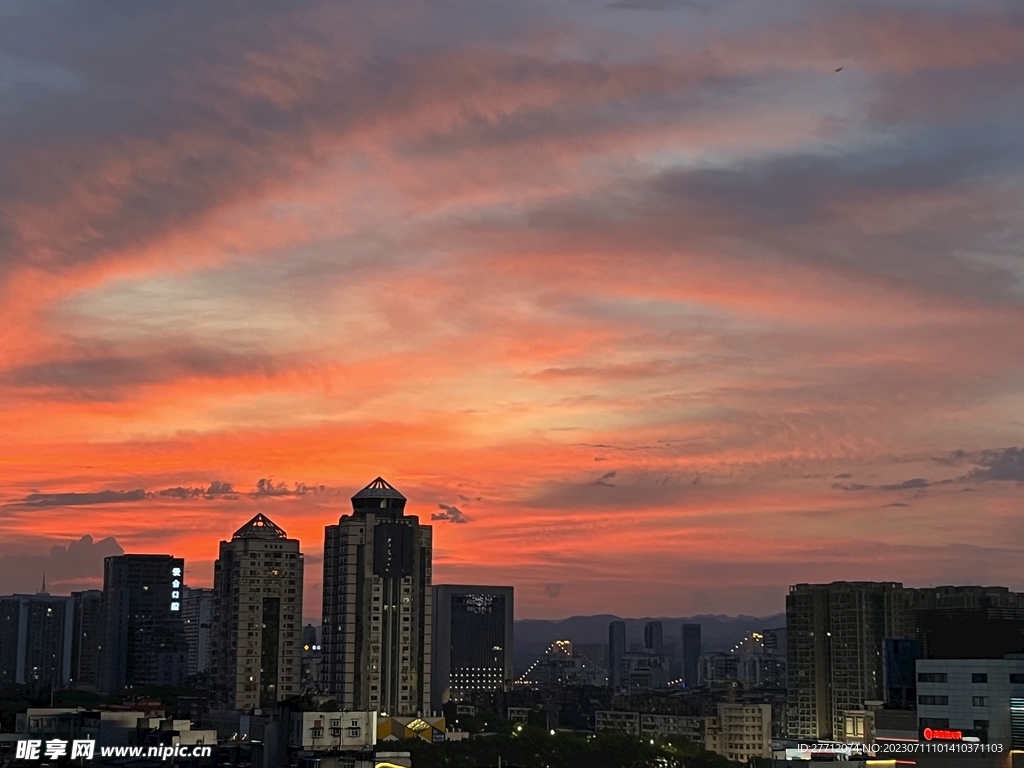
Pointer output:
x,y
648,307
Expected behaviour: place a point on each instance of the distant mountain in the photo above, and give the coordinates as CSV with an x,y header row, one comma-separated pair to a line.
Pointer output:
x,y
718,633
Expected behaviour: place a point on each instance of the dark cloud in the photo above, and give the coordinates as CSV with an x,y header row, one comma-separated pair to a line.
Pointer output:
x,y
603,480
553,590
78,499
267,487
77,565
914,482
214,490
105,377
906,485
449,515
1004,464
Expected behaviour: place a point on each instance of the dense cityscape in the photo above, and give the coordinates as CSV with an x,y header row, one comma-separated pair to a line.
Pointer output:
x,y
511,383
402,671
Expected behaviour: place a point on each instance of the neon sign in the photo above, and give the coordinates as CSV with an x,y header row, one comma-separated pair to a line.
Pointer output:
x,y
942,735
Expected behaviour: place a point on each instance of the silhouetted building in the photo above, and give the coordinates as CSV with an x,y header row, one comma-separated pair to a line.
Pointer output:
x,y
87,639
616,653
898,659
691,655
653,639
35,640
311,659
257,636
144,639
377,607
197,612
472,645
974,633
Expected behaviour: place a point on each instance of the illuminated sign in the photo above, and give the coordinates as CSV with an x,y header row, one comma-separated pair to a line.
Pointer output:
x,y
941,734
176,587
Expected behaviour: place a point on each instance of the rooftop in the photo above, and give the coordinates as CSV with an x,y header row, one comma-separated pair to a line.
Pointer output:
x,y
379,494
260,527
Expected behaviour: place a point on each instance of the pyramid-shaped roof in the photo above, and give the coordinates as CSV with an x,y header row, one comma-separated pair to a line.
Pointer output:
x,y
260,527
379,489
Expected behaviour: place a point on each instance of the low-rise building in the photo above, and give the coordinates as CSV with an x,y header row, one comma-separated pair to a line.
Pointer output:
x,y
649,725
740,731
400,728
332,731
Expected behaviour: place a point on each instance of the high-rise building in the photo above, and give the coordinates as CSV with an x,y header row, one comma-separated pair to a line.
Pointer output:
x,y
472,643
144,639
257,634
87,639
691,655
197,612
377,609
35,640
836,637
616,653
654,642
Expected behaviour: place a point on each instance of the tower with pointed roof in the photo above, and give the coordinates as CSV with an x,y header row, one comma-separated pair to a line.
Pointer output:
x,y
377,607
256,643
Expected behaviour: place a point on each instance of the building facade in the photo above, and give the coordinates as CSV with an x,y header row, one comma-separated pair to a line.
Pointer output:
x,y
257,603
740,731
197,613
36,639
87,639
472,645
144,638
377,606
835,634
968,699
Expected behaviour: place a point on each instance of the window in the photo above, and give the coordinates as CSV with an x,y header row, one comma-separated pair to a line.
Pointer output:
x,y
981,725
1017,679
934,701
979,701
979,677
931,677
934,722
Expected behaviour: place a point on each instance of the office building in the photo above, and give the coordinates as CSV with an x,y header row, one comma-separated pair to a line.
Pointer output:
x,y
968,699
616,653
691,655
87,639
377,606
36,639
144,638
197,613
472,643
257,603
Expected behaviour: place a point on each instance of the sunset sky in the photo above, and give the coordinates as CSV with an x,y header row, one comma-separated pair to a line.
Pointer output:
x,y
648,306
